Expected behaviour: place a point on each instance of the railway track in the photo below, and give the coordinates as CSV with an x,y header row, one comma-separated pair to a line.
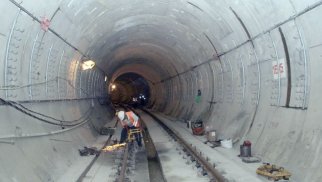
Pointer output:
x,y
121,162
202,163
126,158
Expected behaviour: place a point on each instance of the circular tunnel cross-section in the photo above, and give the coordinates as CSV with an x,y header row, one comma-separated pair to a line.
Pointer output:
x,y
249,69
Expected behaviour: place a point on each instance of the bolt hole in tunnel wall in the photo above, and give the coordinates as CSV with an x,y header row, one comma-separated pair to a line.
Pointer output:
x,y
256,63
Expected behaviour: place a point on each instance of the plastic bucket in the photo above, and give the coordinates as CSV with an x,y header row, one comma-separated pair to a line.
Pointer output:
x,y
227,143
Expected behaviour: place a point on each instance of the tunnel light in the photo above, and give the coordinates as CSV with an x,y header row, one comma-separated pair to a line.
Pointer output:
x,y
105,79
89,64
113,87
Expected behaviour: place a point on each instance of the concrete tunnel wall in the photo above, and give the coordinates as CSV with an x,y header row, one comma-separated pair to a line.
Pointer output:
x,y
230,50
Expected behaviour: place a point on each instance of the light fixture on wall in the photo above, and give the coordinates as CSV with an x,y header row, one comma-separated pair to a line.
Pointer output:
x,y
88,64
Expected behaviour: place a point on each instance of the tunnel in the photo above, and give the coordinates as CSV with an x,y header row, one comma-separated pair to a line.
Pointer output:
x,y
130,88
248,69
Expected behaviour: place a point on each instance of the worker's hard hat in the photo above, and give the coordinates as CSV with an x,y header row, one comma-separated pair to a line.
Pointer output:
x,y
120,115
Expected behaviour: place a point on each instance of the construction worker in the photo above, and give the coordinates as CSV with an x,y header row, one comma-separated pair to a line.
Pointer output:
x,y
129,120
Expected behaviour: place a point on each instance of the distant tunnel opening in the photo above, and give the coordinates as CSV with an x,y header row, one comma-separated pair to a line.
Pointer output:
x,y
130,88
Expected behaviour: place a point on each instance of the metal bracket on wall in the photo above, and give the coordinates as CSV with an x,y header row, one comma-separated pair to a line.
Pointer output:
x,y
244,26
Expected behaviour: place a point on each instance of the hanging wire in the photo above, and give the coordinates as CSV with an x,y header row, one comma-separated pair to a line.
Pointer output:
x,y
50,117
34,114
16,87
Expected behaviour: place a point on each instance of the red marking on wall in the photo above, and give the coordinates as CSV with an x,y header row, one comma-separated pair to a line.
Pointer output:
x,y
44,24
279,69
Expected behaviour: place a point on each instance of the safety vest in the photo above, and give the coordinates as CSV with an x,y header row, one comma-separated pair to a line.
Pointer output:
x,y
134,122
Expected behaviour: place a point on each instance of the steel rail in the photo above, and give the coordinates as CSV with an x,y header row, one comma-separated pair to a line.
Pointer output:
x,y
201,160
84,173
124,164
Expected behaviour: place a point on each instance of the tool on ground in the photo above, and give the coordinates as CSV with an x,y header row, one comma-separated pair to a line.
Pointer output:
x,y
273,172
130,138
88,151
114,147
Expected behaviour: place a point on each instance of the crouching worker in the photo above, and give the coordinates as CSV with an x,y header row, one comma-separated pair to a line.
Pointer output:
x,y
129,120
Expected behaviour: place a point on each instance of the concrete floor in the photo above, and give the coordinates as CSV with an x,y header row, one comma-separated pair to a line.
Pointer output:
x,y
227,161
175,165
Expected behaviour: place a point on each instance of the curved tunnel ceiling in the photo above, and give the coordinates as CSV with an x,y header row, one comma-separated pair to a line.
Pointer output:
x,y
256,63
156,32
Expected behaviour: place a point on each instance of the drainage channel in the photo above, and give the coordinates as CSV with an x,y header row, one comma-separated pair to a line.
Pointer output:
x,y
201,162
155,169
128,159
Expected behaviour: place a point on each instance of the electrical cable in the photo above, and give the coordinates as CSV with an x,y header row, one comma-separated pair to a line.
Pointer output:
x,y
39,118
30,135
70,84
38,115
50,117
15,87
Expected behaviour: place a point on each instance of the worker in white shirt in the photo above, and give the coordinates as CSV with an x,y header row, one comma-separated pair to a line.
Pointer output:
x,y
129,120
